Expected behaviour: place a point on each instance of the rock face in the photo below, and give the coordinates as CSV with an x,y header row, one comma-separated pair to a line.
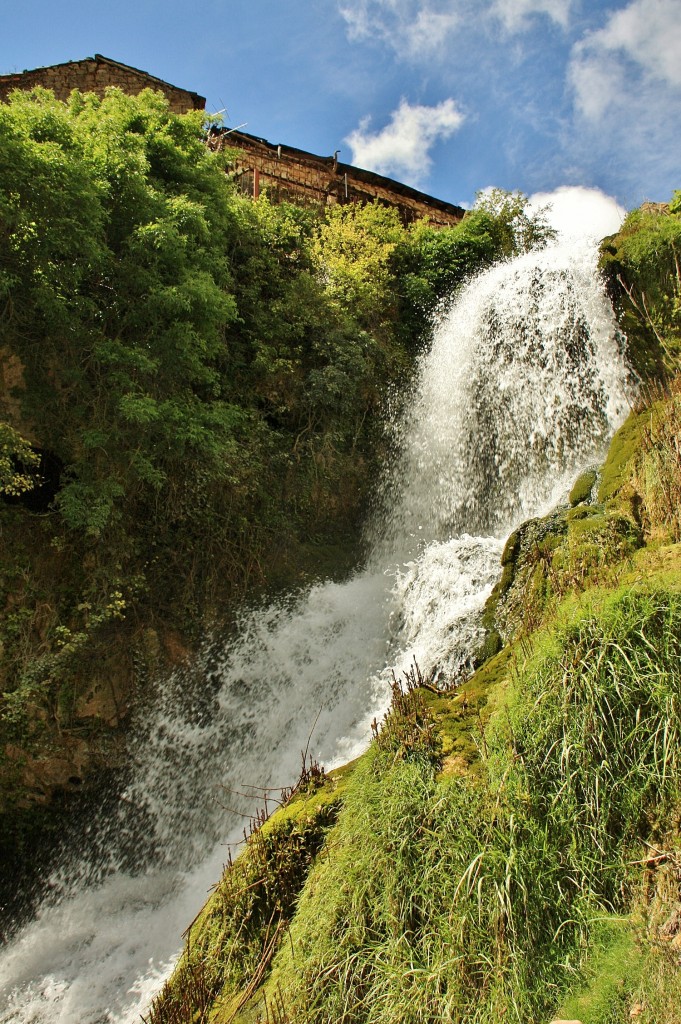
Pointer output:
x,y
67,747
572,547
12,382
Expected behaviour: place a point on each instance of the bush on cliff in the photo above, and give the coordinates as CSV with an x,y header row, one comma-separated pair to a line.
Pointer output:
x,y
642,263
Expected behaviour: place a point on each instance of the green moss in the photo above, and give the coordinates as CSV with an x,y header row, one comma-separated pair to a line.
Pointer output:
x,y
511,548
582,512
317,800
601,540
460,716
492,644
582,487
617,467
493,641
585,528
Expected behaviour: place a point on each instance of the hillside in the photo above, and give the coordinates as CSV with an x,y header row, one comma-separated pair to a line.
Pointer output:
x,y
509,848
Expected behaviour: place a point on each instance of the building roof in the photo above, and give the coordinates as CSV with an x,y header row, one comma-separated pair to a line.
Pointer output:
x,y
99,58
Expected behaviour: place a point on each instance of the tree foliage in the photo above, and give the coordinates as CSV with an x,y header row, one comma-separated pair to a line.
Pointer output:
x,y
116,291
17,460
516,226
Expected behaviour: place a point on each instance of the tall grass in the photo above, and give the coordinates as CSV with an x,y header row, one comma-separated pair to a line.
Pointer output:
x,y
462,900
658,474
595,727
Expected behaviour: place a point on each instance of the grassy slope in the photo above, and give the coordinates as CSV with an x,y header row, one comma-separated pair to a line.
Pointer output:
x,y
490,855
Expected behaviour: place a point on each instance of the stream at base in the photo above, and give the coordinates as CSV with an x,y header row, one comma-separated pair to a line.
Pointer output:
x,y
522,387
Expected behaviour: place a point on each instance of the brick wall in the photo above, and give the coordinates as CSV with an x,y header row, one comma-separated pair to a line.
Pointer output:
x,y
94,74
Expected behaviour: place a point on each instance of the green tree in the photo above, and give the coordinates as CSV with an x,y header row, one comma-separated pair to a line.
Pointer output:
x,y
431,263
517,227
18,463
117,294
354,251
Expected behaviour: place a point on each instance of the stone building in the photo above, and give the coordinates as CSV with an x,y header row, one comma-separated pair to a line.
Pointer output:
x,y
293,174
94,74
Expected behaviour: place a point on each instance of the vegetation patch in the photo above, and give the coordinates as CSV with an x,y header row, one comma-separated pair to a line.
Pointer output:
x,y
643,272
612,975
230,945
616,470
582,487
657,475
451,895
480,895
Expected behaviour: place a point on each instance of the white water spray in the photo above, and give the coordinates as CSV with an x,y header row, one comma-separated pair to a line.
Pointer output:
x,y
523,386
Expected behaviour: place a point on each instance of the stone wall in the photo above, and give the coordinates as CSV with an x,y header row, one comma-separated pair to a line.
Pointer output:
x,y
288,173
95,74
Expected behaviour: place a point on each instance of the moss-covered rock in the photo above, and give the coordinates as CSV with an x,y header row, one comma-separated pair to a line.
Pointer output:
x,y
582,487
618,466
231,943
640,268
511,547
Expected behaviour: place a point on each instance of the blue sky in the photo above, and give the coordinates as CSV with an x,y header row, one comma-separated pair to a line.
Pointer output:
x,y
448,95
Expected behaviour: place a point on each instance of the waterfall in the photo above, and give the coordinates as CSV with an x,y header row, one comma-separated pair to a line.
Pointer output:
x,y
522,387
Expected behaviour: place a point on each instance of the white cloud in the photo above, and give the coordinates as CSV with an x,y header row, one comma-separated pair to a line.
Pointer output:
x,y
638,47
626,88
402,147
577,212
515,14
422,29
597,83
649,32
429,32
413,28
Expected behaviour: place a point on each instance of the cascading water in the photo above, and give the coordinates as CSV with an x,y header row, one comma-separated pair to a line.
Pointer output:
x,y
522,387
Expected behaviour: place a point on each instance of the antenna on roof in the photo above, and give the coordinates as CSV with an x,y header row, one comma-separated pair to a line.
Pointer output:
x,y
230,130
